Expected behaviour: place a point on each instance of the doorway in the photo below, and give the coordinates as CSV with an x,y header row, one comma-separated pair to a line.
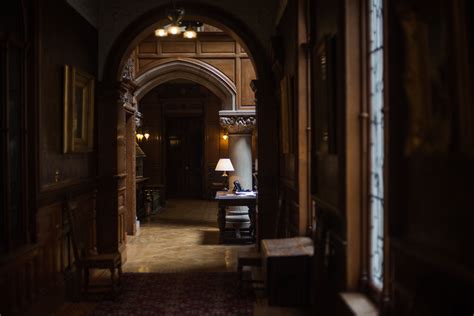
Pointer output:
x,y
184,156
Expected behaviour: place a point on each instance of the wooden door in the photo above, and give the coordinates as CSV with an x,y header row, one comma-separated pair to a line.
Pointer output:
x,y
184,156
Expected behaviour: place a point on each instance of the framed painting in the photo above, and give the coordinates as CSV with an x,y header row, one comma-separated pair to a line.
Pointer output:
x,y
78,111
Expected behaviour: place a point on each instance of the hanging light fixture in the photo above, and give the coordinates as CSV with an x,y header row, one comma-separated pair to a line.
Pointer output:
x,y
190,32
175,15
174,29
161,32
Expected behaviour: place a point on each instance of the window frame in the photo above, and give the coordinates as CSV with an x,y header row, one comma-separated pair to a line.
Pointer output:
x,y
380,296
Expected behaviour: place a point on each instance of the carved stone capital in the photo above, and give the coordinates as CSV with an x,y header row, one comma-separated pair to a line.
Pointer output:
x,y
238,124
126,98
128,71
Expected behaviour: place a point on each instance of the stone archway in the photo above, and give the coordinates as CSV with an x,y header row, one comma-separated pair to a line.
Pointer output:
x,y
114,103
192,70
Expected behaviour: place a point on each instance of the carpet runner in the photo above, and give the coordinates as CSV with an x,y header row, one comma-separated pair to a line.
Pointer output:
x,y
178,294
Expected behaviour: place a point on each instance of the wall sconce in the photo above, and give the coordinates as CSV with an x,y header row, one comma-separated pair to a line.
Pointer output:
x,y
225,136
142,135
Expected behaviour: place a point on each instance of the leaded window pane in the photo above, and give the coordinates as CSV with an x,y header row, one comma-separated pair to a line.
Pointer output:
x,y
376,143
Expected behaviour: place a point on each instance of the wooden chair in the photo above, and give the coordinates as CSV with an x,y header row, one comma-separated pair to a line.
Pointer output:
x,y
86,256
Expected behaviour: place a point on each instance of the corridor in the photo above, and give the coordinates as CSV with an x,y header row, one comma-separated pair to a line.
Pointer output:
x,y
352,119
182,237
181,240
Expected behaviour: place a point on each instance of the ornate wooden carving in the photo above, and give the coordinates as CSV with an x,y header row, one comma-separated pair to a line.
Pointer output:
x,y
239,124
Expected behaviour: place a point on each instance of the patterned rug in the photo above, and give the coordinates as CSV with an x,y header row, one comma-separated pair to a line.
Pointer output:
x,y
178,294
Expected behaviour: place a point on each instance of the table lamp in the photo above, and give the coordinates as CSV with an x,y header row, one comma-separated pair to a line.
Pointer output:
x,y
225,165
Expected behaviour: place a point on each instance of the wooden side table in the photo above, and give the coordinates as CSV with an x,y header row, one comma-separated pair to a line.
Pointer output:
x,y
240,232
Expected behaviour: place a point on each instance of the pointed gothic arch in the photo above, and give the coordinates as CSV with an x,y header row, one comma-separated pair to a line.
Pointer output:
x,y
190,69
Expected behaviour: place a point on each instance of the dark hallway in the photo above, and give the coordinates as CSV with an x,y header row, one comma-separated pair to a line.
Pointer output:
x,y
348,124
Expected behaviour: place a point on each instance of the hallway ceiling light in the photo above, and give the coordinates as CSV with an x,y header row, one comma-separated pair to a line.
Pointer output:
x,y
161,32
174,29
177,26
190,32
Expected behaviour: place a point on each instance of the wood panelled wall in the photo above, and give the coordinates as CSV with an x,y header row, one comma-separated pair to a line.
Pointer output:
x,y
286,72
432,157
39,267
181,99
75,45
428,106
327,137
217,49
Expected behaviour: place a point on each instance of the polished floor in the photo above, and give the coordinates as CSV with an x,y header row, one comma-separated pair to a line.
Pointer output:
x,y
182,237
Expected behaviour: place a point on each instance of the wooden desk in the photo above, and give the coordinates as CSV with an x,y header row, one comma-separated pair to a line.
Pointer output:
x,y
226,199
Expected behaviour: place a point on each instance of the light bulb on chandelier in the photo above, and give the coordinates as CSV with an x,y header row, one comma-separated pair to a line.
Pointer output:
x,y
177,26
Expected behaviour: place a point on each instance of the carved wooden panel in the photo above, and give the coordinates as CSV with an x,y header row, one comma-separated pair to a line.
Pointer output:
x,y
227,66
144,62
217,47
247,75
121,221
49,229
19,280
178,47
219,51
147,47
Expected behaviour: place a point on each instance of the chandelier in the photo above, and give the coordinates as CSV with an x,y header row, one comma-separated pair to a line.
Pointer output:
x,y
178,25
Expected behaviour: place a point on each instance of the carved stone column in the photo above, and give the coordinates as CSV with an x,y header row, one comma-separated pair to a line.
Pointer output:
x,y
240,126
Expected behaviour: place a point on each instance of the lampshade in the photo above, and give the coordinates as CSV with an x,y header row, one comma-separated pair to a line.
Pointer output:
x,y
190,32
224,164
174,29
161,32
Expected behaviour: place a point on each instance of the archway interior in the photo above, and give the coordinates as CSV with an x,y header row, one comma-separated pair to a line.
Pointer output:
x,y
164,67
186,139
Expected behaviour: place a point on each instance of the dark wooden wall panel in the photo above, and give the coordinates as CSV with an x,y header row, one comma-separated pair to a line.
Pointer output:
x,y
218,50
226,65
178,47
247,75
218,47
430,206
74,43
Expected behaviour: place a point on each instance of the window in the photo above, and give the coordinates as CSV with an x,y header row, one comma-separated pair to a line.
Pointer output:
x,y
376,191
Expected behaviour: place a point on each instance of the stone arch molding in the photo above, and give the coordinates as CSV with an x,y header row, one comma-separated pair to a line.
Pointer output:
x,y
190,69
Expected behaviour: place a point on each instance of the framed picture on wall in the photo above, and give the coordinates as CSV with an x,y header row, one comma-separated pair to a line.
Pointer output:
x,y
78,122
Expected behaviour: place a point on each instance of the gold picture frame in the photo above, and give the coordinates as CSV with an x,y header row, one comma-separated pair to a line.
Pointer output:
x,y
78,111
